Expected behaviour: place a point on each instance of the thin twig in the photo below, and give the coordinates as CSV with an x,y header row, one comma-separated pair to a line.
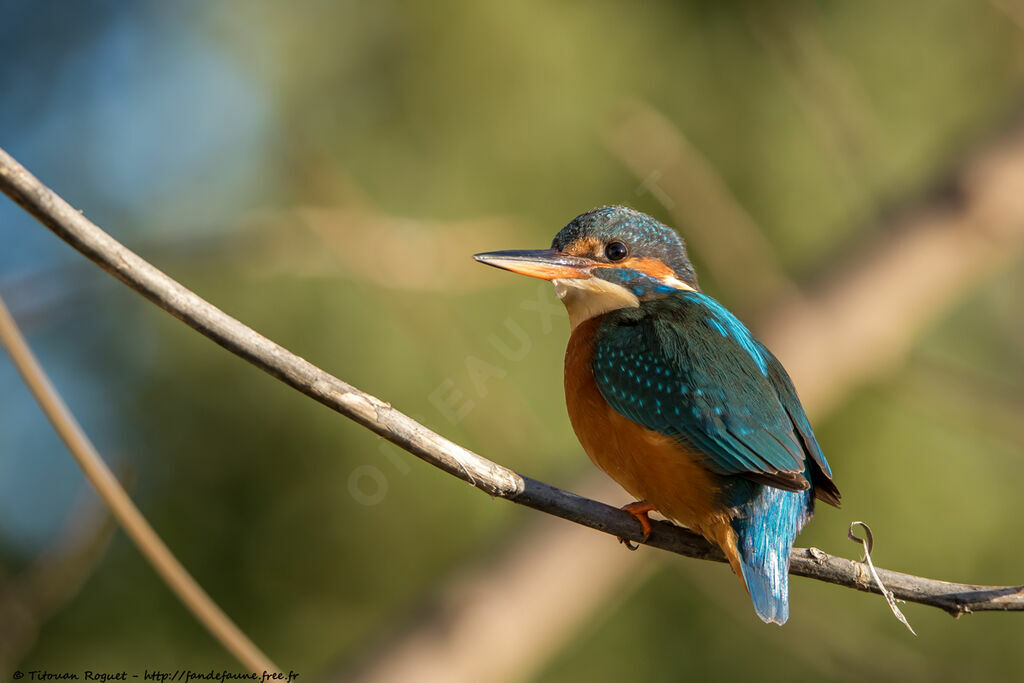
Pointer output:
x,y
121,506
393,425
869,543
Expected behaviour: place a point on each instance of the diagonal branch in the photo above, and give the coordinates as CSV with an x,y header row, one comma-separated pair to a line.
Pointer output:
x,y
152,547
379,417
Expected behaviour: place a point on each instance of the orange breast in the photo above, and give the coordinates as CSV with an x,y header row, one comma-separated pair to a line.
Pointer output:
x,y
649,465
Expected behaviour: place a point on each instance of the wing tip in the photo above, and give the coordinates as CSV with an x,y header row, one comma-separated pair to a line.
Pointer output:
x,y
826,491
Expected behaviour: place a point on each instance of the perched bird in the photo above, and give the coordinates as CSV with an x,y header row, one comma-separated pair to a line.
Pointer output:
x,y
673,397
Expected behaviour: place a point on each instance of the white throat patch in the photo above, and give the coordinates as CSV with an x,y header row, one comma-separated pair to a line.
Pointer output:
x,y
586,298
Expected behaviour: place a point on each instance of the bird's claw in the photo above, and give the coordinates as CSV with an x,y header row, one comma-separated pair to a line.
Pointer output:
x,y
639,510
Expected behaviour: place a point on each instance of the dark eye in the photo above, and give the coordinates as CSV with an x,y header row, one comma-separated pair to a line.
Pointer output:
x,y
615,251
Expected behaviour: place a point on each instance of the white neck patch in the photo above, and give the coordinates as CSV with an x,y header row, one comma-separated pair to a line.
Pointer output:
x,y
585,298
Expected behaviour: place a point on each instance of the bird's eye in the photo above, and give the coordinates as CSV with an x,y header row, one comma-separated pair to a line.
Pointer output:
x,y
615,251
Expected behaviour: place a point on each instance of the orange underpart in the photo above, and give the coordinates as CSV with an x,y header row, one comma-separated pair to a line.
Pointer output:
x,y
652,467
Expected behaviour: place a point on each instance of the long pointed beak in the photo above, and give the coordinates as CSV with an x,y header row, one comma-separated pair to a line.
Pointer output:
x,y
547,264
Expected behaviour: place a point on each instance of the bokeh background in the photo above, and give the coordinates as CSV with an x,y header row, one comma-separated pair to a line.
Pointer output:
x,y
843,171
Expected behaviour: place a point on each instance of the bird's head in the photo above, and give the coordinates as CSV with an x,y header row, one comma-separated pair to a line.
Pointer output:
x,y
608,258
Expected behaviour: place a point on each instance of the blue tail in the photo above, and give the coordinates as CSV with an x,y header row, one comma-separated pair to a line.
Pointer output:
x,y
765,533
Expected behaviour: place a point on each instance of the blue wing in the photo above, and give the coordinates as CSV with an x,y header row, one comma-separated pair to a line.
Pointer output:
x,y
821,473
683,365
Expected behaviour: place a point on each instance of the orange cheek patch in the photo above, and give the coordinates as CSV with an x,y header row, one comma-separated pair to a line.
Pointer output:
x,y
649,266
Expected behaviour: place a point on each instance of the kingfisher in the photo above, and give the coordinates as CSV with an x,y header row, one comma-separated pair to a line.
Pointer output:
x,y
674,398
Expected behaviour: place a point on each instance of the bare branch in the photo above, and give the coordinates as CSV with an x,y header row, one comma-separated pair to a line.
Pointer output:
x,y
381,418
120,503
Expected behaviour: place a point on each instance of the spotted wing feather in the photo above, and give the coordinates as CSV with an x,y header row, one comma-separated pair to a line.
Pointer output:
x,y
684,366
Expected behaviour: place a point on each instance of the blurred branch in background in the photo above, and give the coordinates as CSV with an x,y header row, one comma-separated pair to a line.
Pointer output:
x,y
402,253
824,89
714,222
51,580
837,658
120,504
928,257
381,418
996,403
39,297
856,325
1013,9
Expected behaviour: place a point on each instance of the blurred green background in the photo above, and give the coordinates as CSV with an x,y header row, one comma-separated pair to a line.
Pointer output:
x,y
324,170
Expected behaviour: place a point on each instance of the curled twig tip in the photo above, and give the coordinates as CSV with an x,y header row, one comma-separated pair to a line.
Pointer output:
x,y
868,542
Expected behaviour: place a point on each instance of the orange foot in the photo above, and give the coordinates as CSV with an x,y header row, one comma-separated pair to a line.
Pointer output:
x,y
639,510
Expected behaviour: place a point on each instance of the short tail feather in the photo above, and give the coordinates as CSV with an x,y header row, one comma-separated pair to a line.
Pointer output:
x,y
769,589
765,535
